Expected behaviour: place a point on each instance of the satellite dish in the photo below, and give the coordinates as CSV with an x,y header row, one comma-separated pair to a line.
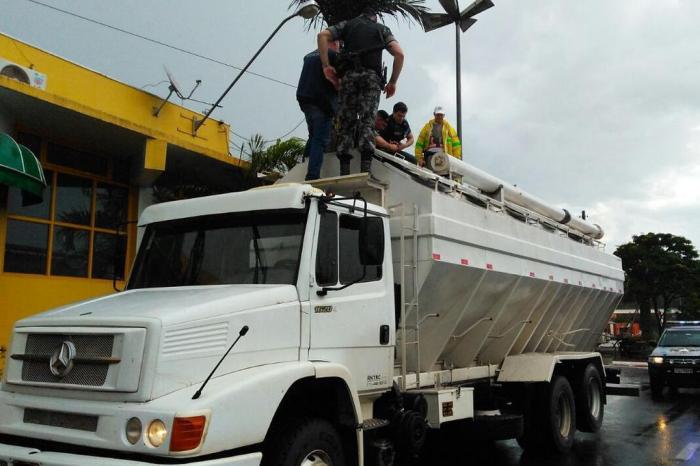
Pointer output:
x,y
174,87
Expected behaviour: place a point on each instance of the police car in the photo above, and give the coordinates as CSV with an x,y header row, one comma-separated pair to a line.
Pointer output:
x,y
676,359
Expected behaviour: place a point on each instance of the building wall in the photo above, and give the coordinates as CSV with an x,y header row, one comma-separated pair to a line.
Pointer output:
x,y
63,250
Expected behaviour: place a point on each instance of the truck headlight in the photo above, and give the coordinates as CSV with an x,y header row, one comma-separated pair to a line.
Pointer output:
x,y
134,430
656,360
157,433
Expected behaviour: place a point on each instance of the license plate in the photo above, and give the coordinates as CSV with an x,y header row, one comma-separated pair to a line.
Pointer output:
x,y
679,370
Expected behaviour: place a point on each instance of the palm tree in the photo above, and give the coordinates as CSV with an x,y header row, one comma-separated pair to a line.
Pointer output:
x,y
334,11
269,163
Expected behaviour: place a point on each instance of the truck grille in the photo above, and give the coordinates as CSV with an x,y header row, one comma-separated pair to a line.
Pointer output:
x,y
676,361
40,348
64,420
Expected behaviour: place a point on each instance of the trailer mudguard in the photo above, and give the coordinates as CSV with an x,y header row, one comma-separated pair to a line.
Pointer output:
x,y
538,367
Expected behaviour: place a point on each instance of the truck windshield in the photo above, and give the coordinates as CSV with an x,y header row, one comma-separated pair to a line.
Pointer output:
x,y
680,338
225,249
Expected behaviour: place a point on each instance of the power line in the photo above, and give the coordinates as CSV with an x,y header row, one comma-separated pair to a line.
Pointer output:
x,y
267,141
154,84
155,41
287,133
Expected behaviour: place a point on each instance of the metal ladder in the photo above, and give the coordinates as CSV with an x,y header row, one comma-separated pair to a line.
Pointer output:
x,y
409,301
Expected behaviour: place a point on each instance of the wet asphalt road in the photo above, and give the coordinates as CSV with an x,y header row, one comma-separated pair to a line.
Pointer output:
x,y
636,431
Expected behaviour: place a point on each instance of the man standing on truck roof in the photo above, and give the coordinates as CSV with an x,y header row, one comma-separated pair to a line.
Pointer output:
x,y
360,78
397,135
318,99
437,136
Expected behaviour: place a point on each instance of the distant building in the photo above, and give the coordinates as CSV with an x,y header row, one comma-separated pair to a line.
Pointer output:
x,y
625,322
102,148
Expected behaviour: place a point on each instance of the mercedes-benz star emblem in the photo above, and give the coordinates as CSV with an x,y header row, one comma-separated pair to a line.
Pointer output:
x,y
61,362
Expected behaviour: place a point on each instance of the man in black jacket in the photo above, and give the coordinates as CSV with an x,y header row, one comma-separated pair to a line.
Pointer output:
x,y
318,99
362,82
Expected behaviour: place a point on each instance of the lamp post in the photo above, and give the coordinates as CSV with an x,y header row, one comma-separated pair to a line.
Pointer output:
x,y
307,10
462,20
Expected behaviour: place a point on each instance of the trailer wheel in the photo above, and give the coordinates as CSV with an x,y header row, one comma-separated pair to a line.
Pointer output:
x,y
550,418
590,406
311,442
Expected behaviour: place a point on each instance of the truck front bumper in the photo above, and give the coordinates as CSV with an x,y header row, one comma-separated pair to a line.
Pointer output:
x,y
11,455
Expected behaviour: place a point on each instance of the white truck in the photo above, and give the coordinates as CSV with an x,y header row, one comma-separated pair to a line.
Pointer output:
x,y
331,324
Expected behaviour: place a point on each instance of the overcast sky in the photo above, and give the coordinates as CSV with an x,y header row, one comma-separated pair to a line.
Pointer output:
x,y
589,104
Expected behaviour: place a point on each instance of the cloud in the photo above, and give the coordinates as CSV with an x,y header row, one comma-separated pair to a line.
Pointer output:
x,y
588,104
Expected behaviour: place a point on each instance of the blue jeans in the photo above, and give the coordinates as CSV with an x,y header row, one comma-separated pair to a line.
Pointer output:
x,y
319,125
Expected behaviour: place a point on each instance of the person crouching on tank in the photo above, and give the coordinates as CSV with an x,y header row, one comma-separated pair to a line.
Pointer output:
x,y
359,76
396,135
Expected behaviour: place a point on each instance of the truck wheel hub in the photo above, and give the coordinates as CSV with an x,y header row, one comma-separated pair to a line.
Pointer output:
x,y
317,458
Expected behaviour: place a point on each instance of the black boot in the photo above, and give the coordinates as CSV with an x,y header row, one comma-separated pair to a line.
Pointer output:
x,y
344,167
365,165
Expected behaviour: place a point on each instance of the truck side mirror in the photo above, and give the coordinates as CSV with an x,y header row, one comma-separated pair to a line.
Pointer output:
x,y
371,239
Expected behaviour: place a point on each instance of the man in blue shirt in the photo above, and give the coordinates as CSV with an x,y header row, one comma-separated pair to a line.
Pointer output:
x,y
318,99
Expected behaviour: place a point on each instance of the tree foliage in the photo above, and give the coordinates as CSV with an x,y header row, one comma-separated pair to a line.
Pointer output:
x,y
268,163
334,11
661,269
280,157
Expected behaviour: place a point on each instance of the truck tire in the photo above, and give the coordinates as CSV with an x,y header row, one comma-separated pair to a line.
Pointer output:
x,y
590,400
656,385
304,443
550,419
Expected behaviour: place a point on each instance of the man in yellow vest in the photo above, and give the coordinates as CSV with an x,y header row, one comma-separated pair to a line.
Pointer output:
x,y
437,136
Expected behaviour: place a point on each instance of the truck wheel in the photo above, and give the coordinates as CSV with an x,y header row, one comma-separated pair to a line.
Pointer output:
x,y
550,420
656,385
590,406
311,442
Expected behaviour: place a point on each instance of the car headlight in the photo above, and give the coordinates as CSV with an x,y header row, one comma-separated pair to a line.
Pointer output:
x,y
656,360
133,430
157,433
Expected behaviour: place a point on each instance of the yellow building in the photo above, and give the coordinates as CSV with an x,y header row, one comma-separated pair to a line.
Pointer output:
x,y
102,148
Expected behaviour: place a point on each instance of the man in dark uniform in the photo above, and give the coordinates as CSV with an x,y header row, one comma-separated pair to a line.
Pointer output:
x,y
361,86
318,99
396,134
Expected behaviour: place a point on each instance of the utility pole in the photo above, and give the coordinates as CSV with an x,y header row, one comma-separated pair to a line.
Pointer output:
x,y
462,20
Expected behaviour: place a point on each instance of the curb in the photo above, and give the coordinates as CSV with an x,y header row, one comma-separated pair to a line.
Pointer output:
x,y
638,364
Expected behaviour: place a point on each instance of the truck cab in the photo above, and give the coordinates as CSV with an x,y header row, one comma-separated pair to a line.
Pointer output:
x,y
307,274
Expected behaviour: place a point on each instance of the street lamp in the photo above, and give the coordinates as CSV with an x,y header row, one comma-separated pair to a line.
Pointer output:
x,y
306,9
462,22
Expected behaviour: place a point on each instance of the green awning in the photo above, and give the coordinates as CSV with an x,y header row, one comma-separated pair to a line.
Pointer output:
x,y
20,168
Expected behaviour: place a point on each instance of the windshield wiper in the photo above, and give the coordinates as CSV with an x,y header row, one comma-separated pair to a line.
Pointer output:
x,y
196,259
258,257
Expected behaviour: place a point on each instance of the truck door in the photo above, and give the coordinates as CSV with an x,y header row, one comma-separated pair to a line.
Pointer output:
x,y
352,310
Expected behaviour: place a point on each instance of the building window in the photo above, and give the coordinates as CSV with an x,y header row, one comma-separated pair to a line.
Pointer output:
x,y
26,247
79,230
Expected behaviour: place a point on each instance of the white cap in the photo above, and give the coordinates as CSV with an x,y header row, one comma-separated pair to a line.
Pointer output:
x,y
438,110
